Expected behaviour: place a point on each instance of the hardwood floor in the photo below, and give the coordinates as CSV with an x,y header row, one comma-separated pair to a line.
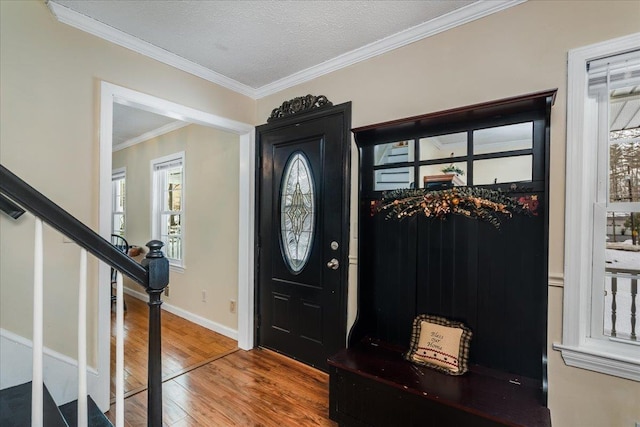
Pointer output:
x,y
185,346
244,388
207,381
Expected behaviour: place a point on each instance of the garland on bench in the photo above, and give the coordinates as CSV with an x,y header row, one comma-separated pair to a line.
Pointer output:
x,y
473,202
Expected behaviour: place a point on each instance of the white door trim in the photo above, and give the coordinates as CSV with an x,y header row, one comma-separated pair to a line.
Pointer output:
x,y
110,93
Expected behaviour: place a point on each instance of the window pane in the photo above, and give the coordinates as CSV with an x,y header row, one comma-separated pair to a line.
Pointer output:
x,y
624,171
118,195
118,224
174,199
503,138
171,224
443,146
394,178
173,246
505,169
624,145
443,175
118,204
622,271
172,189
297,212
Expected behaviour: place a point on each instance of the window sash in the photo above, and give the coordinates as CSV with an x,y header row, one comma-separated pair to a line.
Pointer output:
x,y
604,76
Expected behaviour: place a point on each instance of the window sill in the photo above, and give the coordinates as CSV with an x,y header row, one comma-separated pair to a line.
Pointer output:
x,y
623,366
177,268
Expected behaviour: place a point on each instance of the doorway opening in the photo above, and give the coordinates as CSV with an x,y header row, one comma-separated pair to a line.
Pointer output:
x,y
112,94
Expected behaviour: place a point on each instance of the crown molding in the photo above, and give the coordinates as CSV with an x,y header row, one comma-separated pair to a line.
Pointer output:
x,y
170,127
451,20
427,29
82,22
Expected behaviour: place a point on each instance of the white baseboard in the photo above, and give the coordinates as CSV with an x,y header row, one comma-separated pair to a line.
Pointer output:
x,y
198,320
60,371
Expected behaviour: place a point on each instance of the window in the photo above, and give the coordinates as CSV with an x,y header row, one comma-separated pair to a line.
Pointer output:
x,y
168,206
118,200
602,265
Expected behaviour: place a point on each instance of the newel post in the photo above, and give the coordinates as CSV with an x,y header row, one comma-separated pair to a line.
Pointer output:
x,y
157,267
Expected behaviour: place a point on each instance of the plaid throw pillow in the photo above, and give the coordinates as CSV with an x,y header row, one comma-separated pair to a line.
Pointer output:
x,y
439,344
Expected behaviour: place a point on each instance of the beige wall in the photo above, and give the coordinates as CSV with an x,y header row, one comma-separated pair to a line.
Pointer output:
x,y
211,216
517,51
50,77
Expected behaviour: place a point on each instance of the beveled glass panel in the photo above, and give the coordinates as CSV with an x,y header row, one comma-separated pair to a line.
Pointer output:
x,y
393,179
434,175
443,146
393,152
297,212
505,169
503,138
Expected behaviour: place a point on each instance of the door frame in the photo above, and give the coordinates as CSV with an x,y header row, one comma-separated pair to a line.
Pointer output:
x,y
110,93
345,110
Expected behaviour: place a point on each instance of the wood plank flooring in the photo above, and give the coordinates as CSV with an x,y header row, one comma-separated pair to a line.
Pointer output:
x,y
209,382
185,345
244,388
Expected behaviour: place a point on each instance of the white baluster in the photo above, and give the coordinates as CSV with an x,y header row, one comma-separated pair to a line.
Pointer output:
x,y
119,351
37,383
82,341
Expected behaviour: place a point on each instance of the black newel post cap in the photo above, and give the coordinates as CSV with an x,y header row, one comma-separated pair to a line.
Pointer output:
x,y
155,249
157,266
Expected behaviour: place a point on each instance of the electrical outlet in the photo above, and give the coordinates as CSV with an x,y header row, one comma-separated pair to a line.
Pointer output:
x,y
232,306
166,292
204,296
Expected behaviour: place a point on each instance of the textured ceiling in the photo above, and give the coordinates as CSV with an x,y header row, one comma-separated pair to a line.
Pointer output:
x,y
259,42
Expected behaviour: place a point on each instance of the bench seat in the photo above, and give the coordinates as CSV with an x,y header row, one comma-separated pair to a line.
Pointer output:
x,y
372,385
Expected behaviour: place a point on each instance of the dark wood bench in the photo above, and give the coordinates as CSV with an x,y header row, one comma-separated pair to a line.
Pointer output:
x,y
372,385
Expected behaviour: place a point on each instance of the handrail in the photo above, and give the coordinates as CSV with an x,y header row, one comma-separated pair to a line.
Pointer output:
x,y
10,208
41,206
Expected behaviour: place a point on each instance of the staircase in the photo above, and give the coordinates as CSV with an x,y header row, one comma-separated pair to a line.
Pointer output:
x,y
15,410
31,403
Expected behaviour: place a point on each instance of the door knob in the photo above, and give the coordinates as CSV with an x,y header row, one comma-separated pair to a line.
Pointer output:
x,y
333,264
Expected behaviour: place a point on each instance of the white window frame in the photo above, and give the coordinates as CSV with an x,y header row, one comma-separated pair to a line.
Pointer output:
x,y
117,175
156,208
579,348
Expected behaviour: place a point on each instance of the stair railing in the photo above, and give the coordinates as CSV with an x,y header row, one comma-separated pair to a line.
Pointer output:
x,y
153,274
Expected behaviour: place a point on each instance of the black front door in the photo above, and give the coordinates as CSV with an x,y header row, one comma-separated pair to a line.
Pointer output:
x,y
303,233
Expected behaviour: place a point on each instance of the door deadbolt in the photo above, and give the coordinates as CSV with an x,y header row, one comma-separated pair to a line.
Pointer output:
x,y
335,245
333,264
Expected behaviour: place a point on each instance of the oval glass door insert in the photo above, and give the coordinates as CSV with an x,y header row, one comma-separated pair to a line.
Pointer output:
x,y
297,211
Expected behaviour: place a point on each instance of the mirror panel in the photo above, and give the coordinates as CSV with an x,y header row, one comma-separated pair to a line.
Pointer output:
x,y
503,138
505,169
431,174
443,146
394,152
393,179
